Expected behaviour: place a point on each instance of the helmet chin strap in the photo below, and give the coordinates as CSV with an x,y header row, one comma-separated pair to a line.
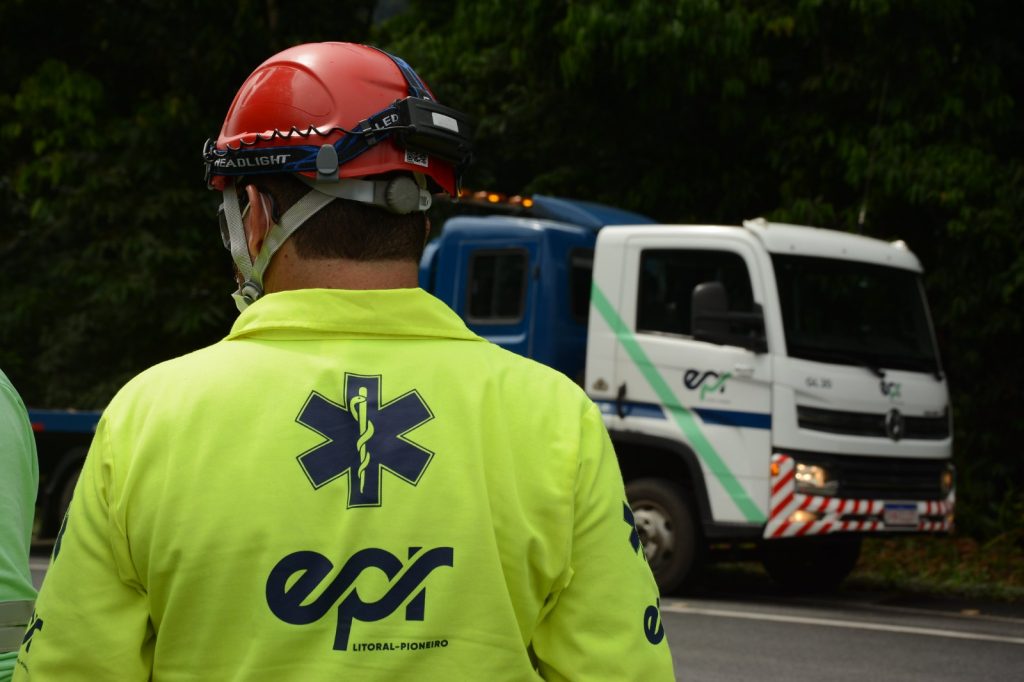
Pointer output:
x,y
252,271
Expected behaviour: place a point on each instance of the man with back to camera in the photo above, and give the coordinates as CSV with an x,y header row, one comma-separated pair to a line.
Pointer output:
x,y
351,483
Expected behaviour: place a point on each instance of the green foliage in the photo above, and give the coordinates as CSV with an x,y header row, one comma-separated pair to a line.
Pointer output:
x,y
959,566
109,241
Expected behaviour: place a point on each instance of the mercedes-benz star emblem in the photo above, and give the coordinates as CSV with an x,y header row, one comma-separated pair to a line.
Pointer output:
x,y
894,424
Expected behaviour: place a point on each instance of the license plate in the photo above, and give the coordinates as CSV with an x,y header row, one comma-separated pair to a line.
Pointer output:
x,y
900,514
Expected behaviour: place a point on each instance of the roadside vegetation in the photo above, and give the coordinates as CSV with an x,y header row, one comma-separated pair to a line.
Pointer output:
x,y
957,567
948,566
984,559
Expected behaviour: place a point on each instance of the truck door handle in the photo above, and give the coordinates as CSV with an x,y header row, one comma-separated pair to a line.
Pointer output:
x,y
620,408
741,370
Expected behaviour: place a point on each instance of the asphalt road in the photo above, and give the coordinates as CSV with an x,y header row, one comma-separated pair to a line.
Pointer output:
x,y
742,628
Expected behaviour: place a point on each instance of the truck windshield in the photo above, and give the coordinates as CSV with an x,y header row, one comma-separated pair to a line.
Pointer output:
x,y
855,313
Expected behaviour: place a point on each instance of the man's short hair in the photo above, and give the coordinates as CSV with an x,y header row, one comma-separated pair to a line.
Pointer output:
x,y
345,229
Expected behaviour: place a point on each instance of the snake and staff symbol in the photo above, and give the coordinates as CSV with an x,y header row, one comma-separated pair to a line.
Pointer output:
x,y
357,406
364,436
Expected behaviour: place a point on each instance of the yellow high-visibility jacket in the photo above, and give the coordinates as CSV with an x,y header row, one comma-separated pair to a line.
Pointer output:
x,y
351,485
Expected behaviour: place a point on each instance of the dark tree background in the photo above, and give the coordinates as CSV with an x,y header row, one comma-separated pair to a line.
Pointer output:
x,y
898,119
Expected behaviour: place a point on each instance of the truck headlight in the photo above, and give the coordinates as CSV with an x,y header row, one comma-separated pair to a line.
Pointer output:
x,y
812,479
948,479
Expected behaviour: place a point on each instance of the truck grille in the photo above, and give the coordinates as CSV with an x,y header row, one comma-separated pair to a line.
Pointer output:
x,y
877,478
870,424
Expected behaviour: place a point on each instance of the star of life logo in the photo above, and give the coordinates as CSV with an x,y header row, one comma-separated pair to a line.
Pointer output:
x,y
364,437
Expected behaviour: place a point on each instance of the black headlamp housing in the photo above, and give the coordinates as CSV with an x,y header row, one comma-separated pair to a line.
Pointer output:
x,y
427,126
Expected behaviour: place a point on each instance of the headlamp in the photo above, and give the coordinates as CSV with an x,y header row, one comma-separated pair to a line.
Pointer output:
x,y
948,480
814,480
427,126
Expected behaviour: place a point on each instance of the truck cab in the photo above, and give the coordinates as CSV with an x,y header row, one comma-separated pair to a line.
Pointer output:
x,y
804,397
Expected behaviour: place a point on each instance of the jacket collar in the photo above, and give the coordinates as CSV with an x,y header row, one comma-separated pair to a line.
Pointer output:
x,y
378,313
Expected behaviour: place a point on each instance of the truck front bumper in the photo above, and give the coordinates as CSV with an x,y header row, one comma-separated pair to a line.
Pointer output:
x,y
797,514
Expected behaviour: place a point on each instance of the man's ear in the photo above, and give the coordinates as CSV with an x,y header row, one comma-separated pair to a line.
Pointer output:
x,y
426,228
258,222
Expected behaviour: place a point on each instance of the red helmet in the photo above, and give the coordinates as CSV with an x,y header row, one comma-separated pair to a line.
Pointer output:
x,y
367,105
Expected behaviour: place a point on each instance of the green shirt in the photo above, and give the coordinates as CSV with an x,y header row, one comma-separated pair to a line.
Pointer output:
x,y
19,480
351,485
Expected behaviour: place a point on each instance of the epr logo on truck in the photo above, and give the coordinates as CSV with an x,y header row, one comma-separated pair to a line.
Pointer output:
x,y
738,369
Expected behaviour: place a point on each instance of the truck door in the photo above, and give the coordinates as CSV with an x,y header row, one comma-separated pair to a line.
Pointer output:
x,y
715,397
496,290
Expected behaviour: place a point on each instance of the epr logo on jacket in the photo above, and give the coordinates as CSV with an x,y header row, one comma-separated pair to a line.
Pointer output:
x,y
364,436
287,598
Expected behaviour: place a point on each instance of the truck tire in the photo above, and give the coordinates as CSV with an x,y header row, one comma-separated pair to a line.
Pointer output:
x,y
811,564
668,531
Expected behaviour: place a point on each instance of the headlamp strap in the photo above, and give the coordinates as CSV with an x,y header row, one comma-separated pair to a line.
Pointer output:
x,y
417,88
298,158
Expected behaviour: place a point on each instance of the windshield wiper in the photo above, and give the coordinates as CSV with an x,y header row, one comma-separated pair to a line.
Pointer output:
x,y
915,365
877,371
844,358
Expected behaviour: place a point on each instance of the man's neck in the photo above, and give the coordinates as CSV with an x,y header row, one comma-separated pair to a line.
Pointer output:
x,y
287,271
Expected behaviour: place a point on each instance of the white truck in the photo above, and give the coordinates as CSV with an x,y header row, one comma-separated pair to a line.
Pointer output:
x,y
766,386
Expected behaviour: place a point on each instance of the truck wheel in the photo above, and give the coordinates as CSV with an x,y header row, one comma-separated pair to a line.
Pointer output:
x,y
667,530
811,564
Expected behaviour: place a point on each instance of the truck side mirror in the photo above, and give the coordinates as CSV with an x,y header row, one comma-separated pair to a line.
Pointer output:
x,y
712,321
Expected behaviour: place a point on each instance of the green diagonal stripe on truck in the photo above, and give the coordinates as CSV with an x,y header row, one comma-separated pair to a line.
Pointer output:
x,y
683,417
